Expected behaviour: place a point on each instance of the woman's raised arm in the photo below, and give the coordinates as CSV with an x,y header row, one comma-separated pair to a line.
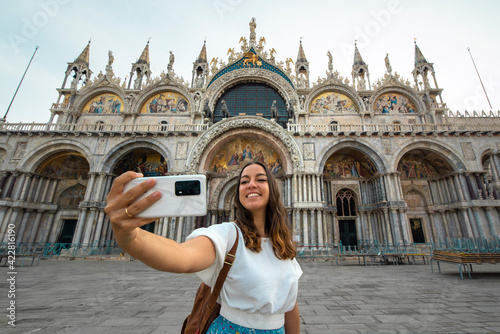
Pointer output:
x,y
154,250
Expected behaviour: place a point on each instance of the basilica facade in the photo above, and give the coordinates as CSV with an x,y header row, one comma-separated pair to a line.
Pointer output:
x,y
355,161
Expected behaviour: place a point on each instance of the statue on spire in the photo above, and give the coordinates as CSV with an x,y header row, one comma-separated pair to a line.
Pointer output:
x,y
252,25
170,62
330,61
388,64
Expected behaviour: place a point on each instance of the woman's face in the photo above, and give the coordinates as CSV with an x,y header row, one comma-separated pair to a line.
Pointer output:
x,y
254,188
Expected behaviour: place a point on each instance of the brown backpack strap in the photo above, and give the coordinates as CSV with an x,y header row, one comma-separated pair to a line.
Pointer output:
x,y
228,262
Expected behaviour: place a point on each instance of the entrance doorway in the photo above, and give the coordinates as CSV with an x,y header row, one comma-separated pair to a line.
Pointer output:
x,y
417,231
68,231
347,230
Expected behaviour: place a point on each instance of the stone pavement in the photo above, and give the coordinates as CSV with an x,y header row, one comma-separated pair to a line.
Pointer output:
x,y
88,296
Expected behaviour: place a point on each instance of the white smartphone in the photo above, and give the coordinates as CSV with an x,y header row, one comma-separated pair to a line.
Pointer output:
x,y
181,195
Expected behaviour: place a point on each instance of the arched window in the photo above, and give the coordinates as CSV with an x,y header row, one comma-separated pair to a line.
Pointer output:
x,y
346,203
334,126
164,126
99,127
251,99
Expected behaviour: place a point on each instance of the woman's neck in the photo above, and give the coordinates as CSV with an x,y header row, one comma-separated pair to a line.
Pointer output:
x,y
259,219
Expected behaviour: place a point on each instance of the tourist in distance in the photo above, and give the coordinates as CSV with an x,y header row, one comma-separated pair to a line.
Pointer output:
x,y
260,291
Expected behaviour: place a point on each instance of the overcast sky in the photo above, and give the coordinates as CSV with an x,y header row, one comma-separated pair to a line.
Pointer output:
x,y
62,28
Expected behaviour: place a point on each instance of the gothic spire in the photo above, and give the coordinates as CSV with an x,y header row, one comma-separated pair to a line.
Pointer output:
x,y
301,57
419,57
83,58
358,60
203,53
144,58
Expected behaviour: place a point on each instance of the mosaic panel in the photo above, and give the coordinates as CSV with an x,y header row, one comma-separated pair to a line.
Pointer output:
x,y
165,102
237,153
394,103
347,166
103,104
332,102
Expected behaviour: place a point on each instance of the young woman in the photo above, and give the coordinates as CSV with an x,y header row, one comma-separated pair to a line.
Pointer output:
x,y
260,291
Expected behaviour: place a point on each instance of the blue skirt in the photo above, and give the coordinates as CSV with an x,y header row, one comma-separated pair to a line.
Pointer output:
x,y
223,326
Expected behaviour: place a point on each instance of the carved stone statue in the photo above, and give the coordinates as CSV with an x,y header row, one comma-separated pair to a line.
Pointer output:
x,y
170,62
274,110
302,101
289,109
224,110
197,98
111,58
330,61
388,64
252,25
361,83
207,111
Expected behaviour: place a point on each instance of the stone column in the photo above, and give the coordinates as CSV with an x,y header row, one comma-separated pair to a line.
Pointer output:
x,y
494,225
295,188
299,186
405,226
21,227
3,179
296,225
321,228
178,237
309,188
466,225
388,228
336,231
79,226
11,185
314,227
483,230
36,224
464,186
50,226
458,189
89,226
359,227
305,223
480,185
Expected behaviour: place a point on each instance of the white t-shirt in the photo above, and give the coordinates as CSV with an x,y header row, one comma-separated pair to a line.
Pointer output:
x,y
260,288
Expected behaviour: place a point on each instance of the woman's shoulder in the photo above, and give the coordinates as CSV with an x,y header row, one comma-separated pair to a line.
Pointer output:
x,y
224,232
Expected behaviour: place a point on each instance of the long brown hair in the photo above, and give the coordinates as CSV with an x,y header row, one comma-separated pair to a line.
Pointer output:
x,y
276,220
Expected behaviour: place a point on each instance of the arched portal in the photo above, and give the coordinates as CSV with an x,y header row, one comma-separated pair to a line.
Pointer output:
x,y
348,172
427,181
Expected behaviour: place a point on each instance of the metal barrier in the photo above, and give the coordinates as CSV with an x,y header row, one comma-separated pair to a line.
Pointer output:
x,y
46,250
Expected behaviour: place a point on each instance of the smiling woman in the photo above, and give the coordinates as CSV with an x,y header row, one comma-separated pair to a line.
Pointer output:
x,y
260,292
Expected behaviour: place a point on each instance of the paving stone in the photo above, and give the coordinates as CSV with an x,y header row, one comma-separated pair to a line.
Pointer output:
x,y
128,297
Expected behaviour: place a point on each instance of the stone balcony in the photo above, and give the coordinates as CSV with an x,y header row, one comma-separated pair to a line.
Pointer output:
x,y
102,129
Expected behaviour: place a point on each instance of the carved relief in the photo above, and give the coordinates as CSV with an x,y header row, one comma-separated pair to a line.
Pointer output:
x,y
181,151
468,151
309,151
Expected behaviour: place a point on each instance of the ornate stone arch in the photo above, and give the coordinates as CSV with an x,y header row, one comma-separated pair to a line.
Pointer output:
x,y
410,94
221,192
274,80
32,159
354,144
149,92
448,153
343,89
275,134
87,96
124,147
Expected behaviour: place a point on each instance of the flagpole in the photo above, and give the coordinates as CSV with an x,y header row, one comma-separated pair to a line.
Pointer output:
x,y
5,116
468,49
